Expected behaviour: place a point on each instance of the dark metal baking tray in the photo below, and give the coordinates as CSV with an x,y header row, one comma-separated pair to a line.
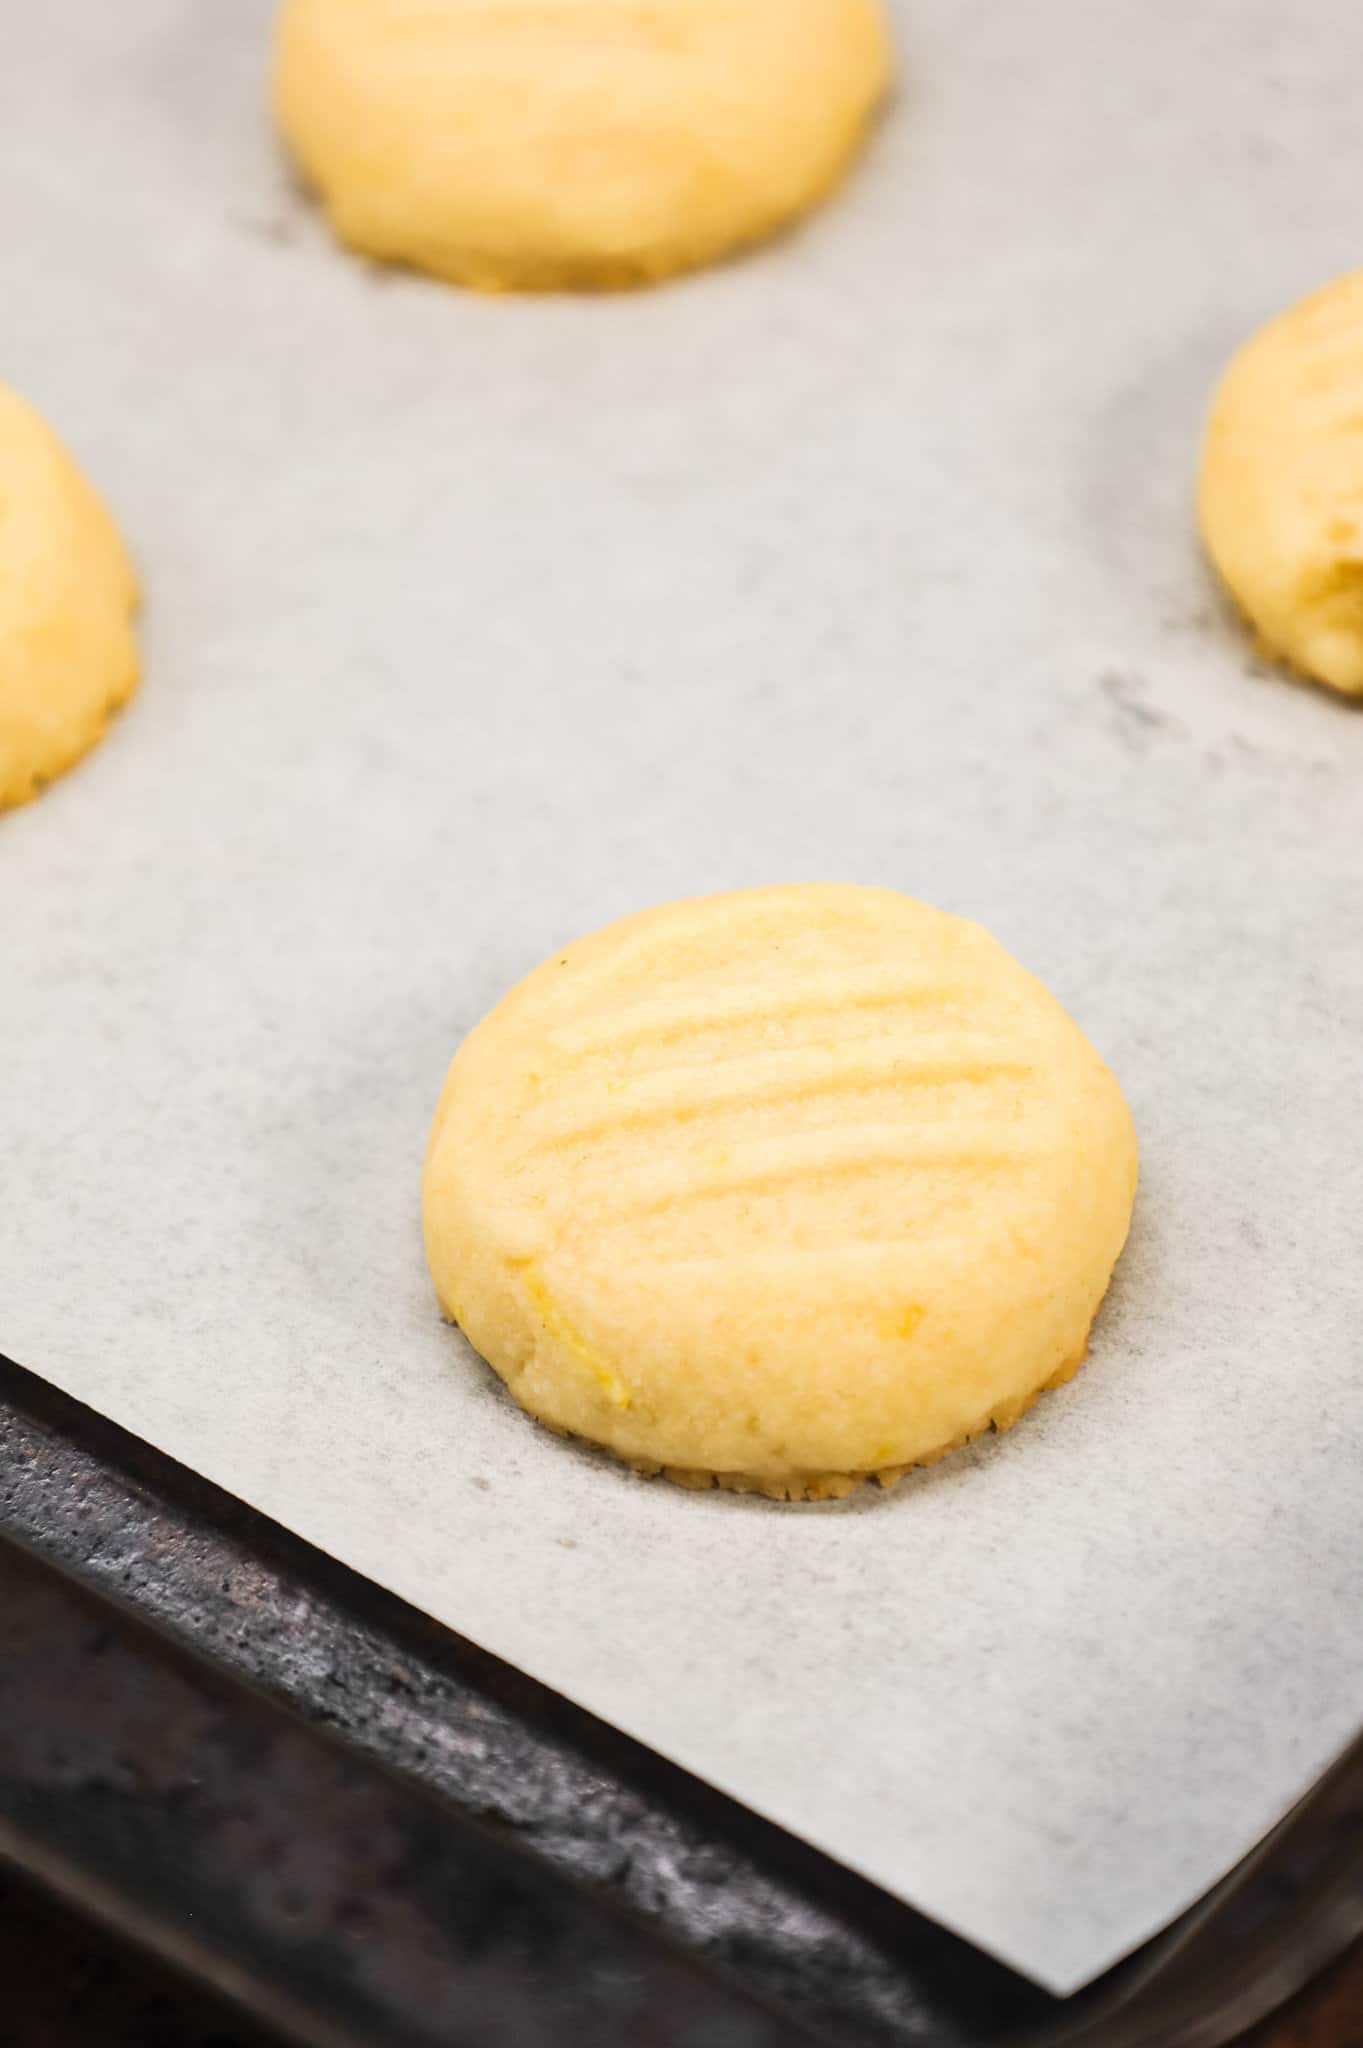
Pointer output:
x,y
361,1829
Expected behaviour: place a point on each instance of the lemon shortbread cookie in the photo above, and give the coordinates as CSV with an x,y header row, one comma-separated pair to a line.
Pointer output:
x,y
782,1188
67,595
1281,493
534,144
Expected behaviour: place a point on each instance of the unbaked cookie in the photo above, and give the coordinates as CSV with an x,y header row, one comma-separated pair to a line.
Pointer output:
x,y
1281,492
67,596
534,144
780,1189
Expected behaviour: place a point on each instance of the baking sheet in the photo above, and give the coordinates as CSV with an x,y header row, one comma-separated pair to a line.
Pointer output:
x,y
472,624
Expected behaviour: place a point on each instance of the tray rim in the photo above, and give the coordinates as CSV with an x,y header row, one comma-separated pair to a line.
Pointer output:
x,y
1162,1997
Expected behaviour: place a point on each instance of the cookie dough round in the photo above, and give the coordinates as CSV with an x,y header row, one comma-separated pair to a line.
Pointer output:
x,y
67,596
1281,490
541,144
782,1188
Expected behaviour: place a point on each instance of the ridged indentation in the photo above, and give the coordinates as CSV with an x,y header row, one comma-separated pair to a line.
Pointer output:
x,y
687,1015
710,943
1332,357
1333,410
849,1252
697,1094
787,1101
778,1162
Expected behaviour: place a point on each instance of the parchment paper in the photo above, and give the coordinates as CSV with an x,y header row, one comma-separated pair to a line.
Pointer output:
x,y
473,624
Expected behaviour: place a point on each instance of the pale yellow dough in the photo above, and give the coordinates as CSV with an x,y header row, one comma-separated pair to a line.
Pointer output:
x,y
783,1188
539,144
1281,491
67,596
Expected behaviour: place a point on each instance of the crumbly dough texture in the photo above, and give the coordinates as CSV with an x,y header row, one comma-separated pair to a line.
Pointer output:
x,y
573,143
67,596
780,1190
1281,489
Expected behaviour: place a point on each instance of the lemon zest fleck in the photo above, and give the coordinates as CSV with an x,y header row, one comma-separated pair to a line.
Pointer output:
x,y
559,1327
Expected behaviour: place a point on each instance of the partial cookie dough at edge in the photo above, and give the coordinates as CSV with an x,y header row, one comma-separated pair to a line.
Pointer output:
x,y
429,144
1280,485
68,596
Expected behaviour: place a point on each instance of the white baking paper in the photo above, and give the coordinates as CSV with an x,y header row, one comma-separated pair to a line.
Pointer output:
x,y
472,624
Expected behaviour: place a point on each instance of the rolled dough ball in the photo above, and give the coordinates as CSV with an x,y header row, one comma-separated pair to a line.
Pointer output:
x,y
533,144
782,1188
1281,489
67,597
